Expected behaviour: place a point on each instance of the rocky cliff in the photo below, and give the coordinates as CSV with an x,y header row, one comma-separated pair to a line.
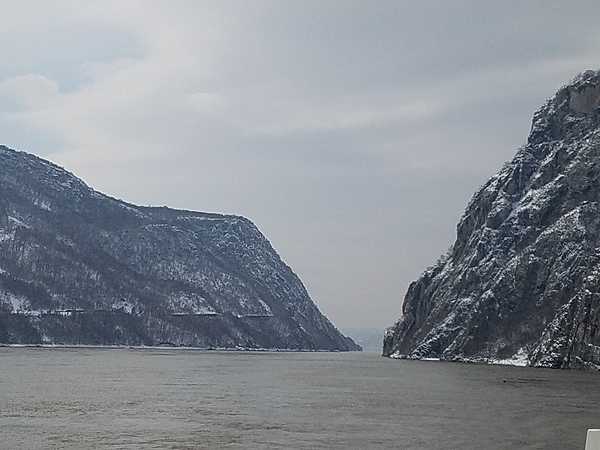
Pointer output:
x,y
521,284
79,267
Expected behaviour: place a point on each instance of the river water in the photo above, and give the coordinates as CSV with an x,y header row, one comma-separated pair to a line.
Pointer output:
x,y
127,398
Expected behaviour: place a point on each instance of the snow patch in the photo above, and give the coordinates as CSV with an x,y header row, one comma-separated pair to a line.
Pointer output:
x,y
124,306
521,358
6,236
42,204
16,303
18,222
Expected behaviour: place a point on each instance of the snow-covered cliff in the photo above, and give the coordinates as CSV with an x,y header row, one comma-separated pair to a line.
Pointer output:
x,y
521,284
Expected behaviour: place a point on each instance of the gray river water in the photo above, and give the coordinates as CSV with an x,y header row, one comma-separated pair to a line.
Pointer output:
x,y
126,398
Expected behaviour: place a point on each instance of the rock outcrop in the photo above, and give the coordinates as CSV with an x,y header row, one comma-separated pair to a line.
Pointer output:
x,y
79,267
521,284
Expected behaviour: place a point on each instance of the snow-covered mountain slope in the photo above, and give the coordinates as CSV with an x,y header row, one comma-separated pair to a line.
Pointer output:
x,y
79,267
521,284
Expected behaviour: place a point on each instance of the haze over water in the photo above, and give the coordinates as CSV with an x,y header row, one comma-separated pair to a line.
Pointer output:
x,y
95,398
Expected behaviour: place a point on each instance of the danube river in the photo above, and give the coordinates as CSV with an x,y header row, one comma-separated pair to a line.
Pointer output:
x,y
129,398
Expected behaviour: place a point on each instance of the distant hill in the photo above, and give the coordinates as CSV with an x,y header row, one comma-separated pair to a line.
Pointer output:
x,y
79,267
370,339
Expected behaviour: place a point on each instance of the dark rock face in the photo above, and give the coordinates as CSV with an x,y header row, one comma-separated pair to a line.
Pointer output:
x,y
521,284
78,267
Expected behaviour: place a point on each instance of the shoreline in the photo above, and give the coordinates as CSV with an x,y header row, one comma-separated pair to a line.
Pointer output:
x,y
491,362
172,347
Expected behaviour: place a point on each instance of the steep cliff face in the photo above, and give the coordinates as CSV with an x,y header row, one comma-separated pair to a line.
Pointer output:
x,y
78,267
521,284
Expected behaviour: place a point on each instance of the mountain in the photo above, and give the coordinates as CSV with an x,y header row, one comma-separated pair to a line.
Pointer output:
x,y
368,338
79,267
521,284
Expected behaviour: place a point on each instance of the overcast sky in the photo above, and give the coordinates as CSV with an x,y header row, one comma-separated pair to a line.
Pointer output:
x,y
352,132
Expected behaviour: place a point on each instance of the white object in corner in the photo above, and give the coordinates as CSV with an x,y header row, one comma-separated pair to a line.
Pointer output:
x,y
593,440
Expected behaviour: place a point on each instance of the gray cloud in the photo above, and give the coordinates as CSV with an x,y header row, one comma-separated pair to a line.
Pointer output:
x,y
352,132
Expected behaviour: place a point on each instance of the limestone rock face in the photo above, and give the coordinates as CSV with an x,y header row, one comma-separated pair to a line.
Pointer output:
x,y
79,267
521,284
